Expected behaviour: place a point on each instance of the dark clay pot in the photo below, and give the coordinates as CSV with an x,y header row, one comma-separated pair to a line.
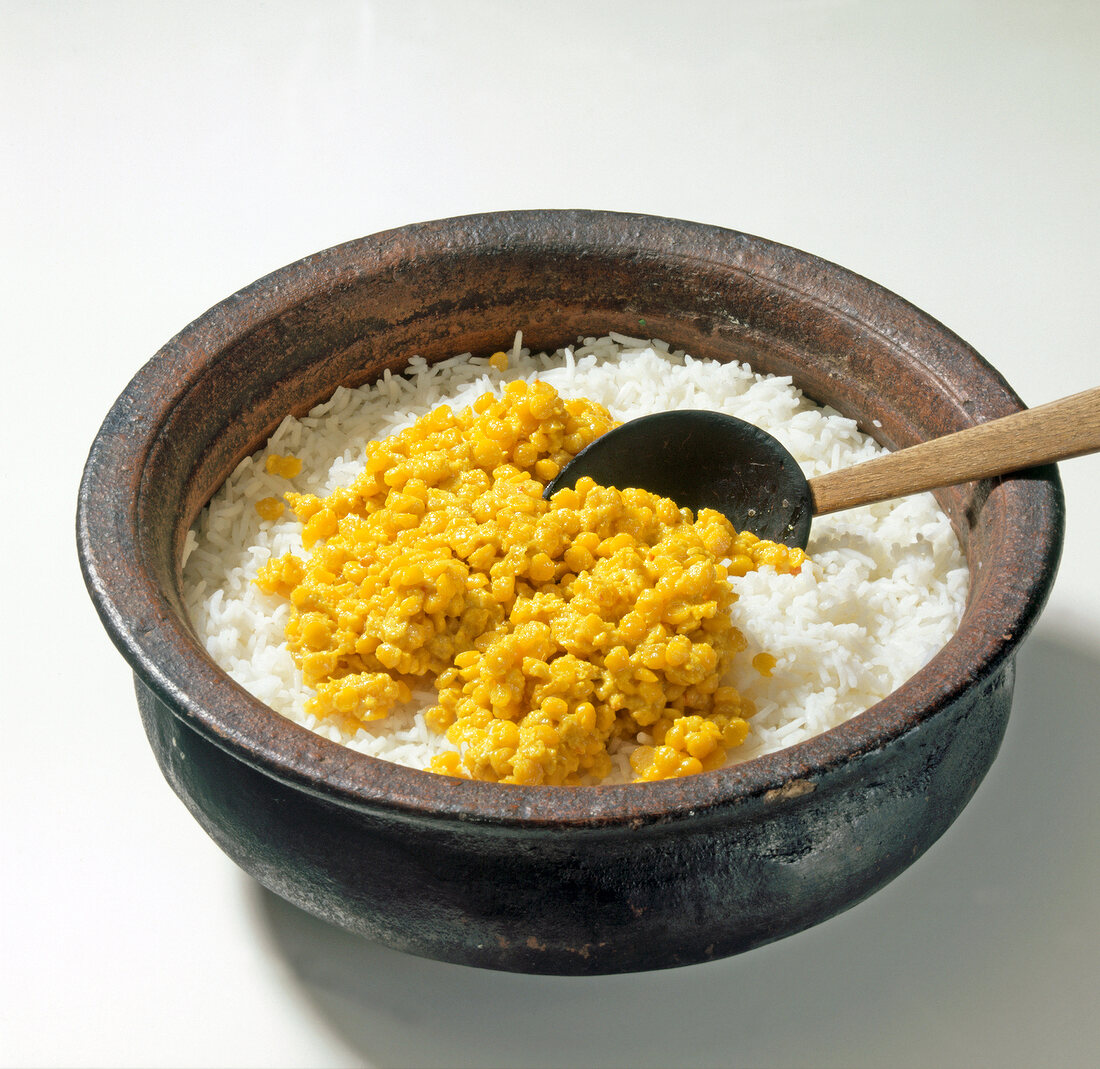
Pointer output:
x,y
558,880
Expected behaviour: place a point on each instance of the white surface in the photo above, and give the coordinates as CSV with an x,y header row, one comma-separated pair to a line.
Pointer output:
x,y
159,156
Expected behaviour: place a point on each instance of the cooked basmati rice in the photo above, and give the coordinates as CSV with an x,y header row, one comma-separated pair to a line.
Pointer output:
x,y
885,590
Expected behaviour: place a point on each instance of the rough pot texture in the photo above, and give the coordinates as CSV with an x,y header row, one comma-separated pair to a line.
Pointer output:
x,y
560,880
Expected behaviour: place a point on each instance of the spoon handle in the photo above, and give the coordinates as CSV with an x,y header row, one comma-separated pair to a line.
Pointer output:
x,y
1055,431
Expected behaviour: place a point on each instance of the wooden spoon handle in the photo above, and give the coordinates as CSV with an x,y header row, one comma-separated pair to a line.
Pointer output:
x,y
1055,431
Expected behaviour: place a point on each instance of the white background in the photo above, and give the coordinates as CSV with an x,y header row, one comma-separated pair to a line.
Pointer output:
x,y
158,156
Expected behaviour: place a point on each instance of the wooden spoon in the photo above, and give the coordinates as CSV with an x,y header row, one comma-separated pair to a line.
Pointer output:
x,y
705,459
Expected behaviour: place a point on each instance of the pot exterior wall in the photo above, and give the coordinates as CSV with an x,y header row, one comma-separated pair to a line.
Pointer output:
x,y
590,900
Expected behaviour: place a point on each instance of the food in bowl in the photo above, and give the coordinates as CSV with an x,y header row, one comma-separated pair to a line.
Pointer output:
x,y
797,646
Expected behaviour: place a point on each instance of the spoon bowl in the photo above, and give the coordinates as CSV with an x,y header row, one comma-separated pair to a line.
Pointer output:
x,y
702,459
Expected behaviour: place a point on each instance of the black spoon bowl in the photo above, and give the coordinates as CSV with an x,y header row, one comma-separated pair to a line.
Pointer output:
x,y
702,459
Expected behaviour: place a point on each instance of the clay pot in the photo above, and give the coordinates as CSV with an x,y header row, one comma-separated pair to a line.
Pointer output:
x,y
543,879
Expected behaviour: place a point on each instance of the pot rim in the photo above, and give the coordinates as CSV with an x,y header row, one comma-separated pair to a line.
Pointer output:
x,y
167,658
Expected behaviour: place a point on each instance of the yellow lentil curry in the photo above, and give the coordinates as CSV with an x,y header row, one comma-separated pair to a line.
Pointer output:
x,y
551,629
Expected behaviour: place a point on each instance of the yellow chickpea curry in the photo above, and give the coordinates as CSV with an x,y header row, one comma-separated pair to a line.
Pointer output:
x,y
551,629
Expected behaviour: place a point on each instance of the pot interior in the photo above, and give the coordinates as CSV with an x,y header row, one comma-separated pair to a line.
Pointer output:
x,y
346,316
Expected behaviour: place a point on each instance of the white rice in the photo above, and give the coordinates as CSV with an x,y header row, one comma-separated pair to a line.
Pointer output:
x,y
885,590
